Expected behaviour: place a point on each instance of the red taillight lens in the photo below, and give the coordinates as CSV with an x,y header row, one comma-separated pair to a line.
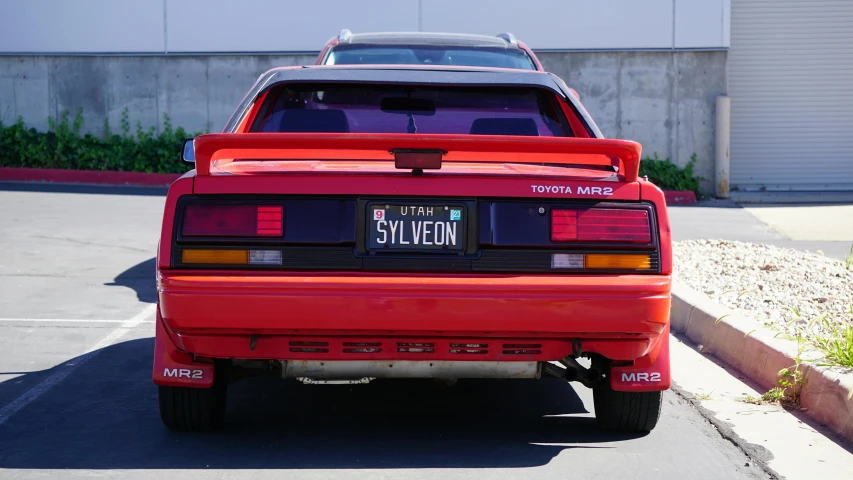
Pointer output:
x,y
233,221
614,225
601,225
270,221
564,225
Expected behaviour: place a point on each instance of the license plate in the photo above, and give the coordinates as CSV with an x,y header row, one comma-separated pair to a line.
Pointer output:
x,y
416,227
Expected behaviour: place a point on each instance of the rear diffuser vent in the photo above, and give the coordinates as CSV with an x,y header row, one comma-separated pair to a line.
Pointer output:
x,y
404,347
309,347
469,348
362,347
522,349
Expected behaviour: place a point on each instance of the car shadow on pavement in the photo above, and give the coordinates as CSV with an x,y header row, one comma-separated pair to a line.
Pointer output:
x,y
104,415
140,278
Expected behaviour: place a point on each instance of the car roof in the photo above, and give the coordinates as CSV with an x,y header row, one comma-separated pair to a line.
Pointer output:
x,y
504,40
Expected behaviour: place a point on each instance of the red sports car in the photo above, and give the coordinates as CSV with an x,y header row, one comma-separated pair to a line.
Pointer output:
x,y
355,223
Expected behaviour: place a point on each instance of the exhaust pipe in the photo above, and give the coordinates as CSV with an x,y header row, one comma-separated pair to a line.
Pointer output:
x,y
594,375
571,374
575,372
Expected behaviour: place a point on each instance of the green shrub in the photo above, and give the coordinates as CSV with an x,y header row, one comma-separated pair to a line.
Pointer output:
x,y
63,146
669,176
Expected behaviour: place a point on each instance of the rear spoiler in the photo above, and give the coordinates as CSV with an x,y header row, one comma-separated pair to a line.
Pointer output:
x,y
216,149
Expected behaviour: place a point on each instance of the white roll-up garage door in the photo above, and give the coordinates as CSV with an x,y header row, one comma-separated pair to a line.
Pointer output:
x,y
791,88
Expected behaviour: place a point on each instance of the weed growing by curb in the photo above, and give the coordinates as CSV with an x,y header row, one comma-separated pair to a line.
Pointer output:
x,y
791,380
790,383
775,395
838,345
848,261
702,396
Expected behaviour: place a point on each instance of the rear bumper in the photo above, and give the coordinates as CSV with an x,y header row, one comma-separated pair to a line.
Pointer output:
x,y
381,316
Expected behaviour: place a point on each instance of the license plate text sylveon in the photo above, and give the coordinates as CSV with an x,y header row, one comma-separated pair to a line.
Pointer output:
x,y
416,227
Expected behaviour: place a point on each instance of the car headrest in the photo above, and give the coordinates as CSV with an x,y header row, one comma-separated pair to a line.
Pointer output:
x,y
311,120
505,126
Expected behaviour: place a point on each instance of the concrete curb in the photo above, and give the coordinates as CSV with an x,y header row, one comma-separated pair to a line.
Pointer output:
x,y
87,177
752,349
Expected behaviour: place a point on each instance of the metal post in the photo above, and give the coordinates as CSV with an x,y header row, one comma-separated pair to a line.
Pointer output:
x,y
723,132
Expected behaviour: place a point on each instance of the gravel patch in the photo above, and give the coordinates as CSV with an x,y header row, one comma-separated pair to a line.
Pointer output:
x,y
766,282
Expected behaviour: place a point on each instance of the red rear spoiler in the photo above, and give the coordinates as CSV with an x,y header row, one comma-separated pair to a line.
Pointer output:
x,y
225,147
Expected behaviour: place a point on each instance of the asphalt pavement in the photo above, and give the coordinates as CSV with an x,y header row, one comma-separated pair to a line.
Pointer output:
x,y
76,398
826,227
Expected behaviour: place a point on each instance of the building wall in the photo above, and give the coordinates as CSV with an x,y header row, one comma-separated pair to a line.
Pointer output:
x,y
648,71
288,26
664,100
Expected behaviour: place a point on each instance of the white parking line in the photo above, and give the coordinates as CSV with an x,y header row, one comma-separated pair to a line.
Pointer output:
x,y
64,370
60,320
124,328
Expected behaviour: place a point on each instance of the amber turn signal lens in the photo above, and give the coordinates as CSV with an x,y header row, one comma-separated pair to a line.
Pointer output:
x,y
221,257
618,262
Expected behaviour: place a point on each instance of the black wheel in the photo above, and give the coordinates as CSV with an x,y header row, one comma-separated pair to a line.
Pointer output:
x,y
626,411
184,409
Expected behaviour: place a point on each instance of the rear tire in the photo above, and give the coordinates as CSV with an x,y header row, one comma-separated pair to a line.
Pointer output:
x,y
626,411
185,409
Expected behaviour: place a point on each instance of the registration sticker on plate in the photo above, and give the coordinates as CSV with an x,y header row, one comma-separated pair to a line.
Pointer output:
x,y
416,227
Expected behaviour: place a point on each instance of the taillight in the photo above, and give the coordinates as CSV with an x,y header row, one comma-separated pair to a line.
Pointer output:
x,y
600,225
233,221
230,257
564,225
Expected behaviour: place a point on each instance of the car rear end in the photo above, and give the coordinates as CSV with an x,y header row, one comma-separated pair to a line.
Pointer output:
x,y
346,257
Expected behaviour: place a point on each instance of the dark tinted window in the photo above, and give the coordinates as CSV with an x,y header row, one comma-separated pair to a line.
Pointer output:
x,y
429,55
366,108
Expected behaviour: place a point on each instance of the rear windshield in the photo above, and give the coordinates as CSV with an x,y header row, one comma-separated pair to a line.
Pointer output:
x,y
429,55
366,108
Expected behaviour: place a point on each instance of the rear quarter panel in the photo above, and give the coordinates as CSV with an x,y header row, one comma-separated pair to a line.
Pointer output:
x,y
181,186
651,193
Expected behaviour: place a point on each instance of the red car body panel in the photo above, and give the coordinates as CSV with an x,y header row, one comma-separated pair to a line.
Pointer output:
x,y
175,367
575,306
274,315
532,55
331,43
649,373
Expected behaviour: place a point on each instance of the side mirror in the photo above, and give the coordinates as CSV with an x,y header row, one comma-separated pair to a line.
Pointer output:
x,y
188,153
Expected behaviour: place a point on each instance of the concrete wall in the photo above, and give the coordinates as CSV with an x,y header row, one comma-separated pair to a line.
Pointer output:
x,y
197,92
665,100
